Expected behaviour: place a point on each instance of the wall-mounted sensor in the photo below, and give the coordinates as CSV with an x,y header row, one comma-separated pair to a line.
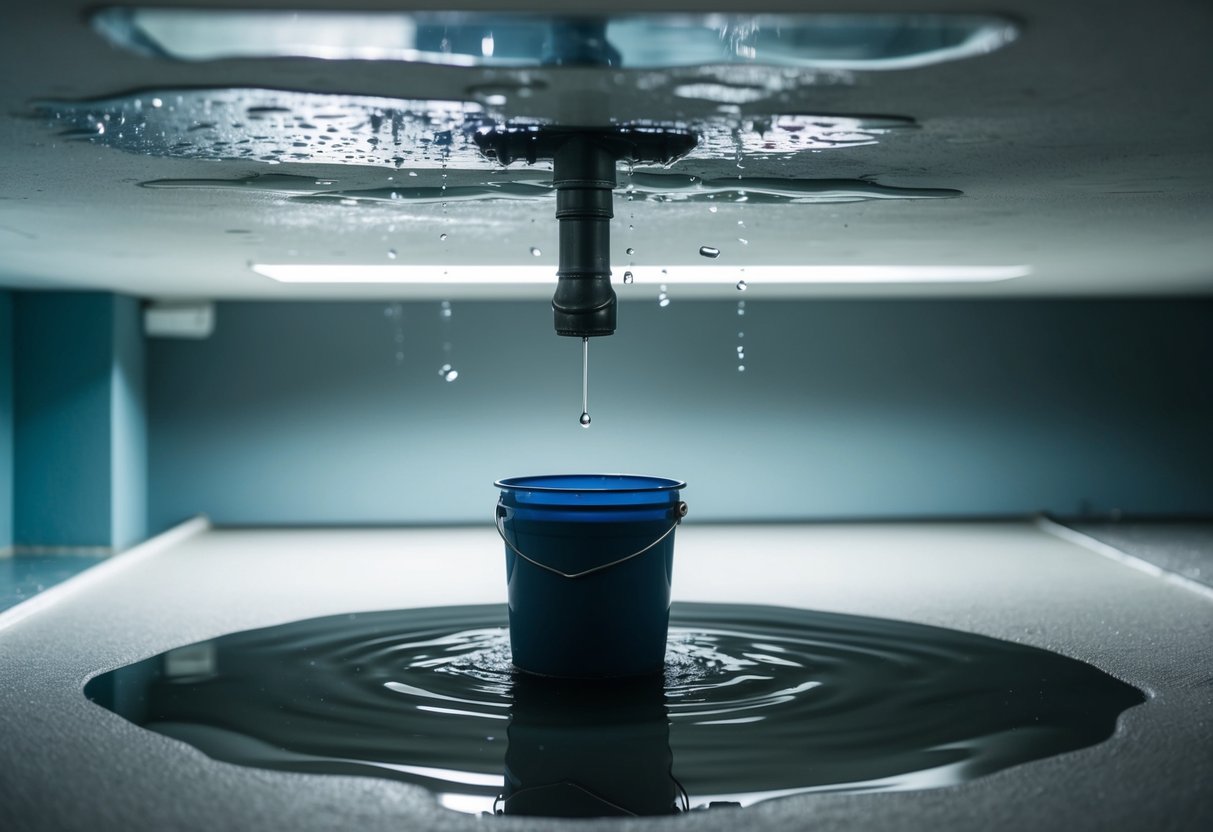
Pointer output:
x,y
179,320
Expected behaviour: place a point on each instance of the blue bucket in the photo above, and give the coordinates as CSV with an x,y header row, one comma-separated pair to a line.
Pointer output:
x,y
589,559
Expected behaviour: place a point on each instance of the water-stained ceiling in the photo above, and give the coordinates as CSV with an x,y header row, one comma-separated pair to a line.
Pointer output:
x,y
1076,153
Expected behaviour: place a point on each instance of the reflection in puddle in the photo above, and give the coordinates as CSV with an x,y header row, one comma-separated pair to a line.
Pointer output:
x,y
756,703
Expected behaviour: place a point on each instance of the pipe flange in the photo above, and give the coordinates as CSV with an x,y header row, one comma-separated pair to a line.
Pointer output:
x,y
643,145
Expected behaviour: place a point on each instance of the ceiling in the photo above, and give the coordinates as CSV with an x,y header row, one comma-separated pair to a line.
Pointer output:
x,y
1083,151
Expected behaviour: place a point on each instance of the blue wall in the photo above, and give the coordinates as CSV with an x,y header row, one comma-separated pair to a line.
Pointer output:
x,y
61,461
300,413
128,427
78,464
6,420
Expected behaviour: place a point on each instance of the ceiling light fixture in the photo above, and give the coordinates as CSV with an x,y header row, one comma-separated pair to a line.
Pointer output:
x,y
653,275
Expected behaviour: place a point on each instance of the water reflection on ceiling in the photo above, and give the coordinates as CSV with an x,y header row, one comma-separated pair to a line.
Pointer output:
x,y
891,41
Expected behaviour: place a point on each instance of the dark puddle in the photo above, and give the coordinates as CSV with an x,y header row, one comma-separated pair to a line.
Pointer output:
x,y
756,703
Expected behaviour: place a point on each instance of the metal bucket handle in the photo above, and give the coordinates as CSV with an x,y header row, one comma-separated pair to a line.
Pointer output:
x,y
680,511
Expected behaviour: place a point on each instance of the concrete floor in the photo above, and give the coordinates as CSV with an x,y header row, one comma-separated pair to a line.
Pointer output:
x,y
1182,548
66,764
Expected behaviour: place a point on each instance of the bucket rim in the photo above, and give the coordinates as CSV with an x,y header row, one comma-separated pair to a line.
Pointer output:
x,y
533,482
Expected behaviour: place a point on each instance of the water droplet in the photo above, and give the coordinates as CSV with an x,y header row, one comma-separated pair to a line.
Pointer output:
x,y
741,223
740,334
712,209
631,251
663,300
448,373
709,251
628,277
741,368
445,311
412,173
741,286
441,236
535,252
157,103
740,350
743,241
391,254
585,419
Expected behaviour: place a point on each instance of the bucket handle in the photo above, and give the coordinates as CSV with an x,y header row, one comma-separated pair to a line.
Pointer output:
x,y
680,511
683,804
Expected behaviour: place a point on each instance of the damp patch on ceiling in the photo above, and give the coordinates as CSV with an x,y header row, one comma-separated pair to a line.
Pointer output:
x,y
275,126
854,42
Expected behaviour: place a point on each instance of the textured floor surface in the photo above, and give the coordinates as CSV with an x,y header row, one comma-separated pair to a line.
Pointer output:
x,y
1185,548
66,764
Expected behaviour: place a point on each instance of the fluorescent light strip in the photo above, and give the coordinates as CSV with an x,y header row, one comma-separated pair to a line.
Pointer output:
x,y
672,275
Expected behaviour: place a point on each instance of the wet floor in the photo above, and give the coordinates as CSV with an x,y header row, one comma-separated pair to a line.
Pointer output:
x,y
24,576
756,703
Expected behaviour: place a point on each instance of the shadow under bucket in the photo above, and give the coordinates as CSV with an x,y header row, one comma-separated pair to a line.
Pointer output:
x,y
589,560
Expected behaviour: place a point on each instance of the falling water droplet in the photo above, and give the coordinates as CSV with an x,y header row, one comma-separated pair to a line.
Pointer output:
x,y
448,373
535,252
741,286
743,241
712,209
585,383
445,309
709,251
631,251
391,254
741,223
441,236
412,173
628,277
741,307
741,368
663,300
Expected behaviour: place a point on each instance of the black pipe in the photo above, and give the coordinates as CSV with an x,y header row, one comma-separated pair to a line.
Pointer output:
x,y
583,174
